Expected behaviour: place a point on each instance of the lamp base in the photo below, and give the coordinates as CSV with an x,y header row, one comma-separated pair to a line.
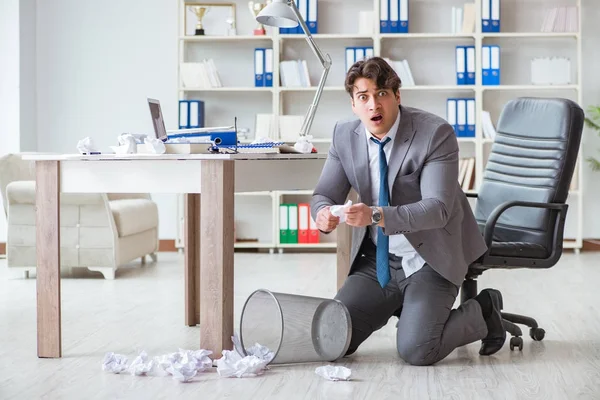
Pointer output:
x,y
260,32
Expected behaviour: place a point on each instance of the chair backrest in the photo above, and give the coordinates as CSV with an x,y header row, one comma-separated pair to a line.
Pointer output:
x,y
14,168
532,159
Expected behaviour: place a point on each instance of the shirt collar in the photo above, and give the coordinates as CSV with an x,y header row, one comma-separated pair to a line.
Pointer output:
x,y
392,132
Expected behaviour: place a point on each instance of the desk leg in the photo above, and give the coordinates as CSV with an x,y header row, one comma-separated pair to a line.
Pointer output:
x,y
344,246
216,255
192,258
47,217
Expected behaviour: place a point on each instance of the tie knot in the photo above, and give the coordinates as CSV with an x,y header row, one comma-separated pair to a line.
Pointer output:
x,y
380,143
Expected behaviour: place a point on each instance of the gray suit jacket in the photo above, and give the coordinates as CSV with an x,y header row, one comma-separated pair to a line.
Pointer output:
x,y
427,203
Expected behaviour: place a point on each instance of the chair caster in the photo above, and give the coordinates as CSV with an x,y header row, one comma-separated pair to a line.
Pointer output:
x,y
537,334
516,341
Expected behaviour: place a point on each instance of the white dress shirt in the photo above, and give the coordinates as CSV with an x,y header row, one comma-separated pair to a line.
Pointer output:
x,y
399,245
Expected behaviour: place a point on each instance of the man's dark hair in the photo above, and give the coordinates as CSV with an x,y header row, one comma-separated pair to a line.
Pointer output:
x,y
376,69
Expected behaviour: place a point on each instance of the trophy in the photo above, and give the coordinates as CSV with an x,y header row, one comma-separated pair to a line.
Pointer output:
x,y
199,11
255,9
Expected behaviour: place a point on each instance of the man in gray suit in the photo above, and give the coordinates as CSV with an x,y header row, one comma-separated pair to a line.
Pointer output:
x,y
414,233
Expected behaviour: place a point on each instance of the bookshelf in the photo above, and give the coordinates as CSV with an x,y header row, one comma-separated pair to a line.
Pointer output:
x,y
429,48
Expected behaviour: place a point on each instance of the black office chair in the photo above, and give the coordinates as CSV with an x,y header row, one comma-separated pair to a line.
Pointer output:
x,y
521,206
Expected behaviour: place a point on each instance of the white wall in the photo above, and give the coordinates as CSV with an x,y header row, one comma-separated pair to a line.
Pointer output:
x,y
9,85
96,65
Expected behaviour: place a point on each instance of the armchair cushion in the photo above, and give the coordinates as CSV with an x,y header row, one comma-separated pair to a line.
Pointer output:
x,y
134,215
519,249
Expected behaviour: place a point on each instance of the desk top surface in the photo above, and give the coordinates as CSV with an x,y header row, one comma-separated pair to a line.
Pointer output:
x,y
155,157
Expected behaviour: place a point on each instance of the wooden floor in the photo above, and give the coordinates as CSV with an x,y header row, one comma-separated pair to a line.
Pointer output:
x,y
143,310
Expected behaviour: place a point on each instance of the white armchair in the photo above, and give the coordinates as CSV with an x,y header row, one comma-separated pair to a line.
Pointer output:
x,y
98,231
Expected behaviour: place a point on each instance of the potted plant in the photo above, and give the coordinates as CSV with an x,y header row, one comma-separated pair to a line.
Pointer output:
x,y
593,122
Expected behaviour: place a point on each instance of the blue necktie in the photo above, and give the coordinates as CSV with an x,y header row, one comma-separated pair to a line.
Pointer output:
x,y
383,241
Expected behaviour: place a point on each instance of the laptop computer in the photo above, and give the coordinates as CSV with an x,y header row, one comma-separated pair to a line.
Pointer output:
x,y
159,124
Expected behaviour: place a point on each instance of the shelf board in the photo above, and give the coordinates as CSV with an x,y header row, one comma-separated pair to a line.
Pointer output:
x,y
263,193
529,87
540,35
440,35
253,245
312,88
295,192
228,89
328,36
439,88
224,38
325,245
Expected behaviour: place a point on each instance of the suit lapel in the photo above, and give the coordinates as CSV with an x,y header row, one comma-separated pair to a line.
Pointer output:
x,y
360,162
402,142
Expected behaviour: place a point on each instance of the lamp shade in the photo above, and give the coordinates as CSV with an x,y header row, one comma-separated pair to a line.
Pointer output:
x,y
279,14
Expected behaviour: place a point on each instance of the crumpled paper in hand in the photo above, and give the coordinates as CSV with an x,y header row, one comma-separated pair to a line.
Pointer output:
x,y
87,145
334,373
115,363
304,144
339,211
157,146
185,364
141,365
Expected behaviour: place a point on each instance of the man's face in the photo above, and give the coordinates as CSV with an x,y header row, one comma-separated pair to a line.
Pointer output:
x,y
377,108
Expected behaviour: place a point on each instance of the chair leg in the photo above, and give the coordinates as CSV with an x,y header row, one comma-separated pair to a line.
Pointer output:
x,y
535,332
468,290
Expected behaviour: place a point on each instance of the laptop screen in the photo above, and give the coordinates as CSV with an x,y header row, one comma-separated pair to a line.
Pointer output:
x,y
157,120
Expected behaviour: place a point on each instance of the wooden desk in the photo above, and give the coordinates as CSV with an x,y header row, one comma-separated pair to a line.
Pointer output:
x,y
209,240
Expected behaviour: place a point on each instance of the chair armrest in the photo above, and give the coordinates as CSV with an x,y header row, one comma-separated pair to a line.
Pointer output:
x,y
490,225
23,192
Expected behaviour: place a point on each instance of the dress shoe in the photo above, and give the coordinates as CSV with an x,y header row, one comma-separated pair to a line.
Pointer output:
x,y
496,333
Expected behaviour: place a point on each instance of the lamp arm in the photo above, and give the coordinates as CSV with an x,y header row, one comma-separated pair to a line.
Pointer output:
x,y
325,61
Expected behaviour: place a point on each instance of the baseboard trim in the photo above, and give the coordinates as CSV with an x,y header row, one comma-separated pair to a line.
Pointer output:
x,y
168,245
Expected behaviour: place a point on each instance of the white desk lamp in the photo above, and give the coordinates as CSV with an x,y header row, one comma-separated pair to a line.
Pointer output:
x,y
285,14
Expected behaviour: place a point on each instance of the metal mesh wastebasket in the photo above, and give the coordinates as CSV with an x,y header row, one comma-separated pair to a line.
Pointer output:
x,y
295,328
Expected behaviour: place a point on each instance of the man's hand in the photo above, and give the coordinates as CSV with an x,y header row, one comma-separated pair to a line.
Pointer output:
x,y
326,222
359,215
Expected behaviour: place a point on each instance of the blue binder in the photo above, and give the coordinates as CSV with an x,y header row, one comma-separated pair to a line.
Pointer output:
x,y
313,17
461,67
470,65
470,118
259,67
269,67
486,22
486,72
495,15
384,16
451,114
191,114
494,65
403,16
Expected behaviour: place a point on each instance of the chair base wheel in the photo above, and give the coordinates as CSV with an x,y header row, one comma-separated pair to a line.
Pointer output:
x,y
516,341
537,334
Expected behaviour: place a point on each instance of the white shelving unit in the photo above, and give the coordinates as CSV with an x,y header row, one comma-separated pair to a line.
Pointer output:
x,y
429,49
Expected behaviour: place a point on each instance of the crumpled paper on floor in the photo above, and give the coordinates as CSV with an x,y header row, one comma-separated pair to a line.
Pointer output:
x,y
334,373
185,364
115,363
339,211
235,363
140,365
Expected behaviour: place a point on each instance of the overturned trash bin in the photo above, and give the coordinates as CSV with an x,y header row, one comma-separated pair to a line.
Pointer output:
x,y
297,329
